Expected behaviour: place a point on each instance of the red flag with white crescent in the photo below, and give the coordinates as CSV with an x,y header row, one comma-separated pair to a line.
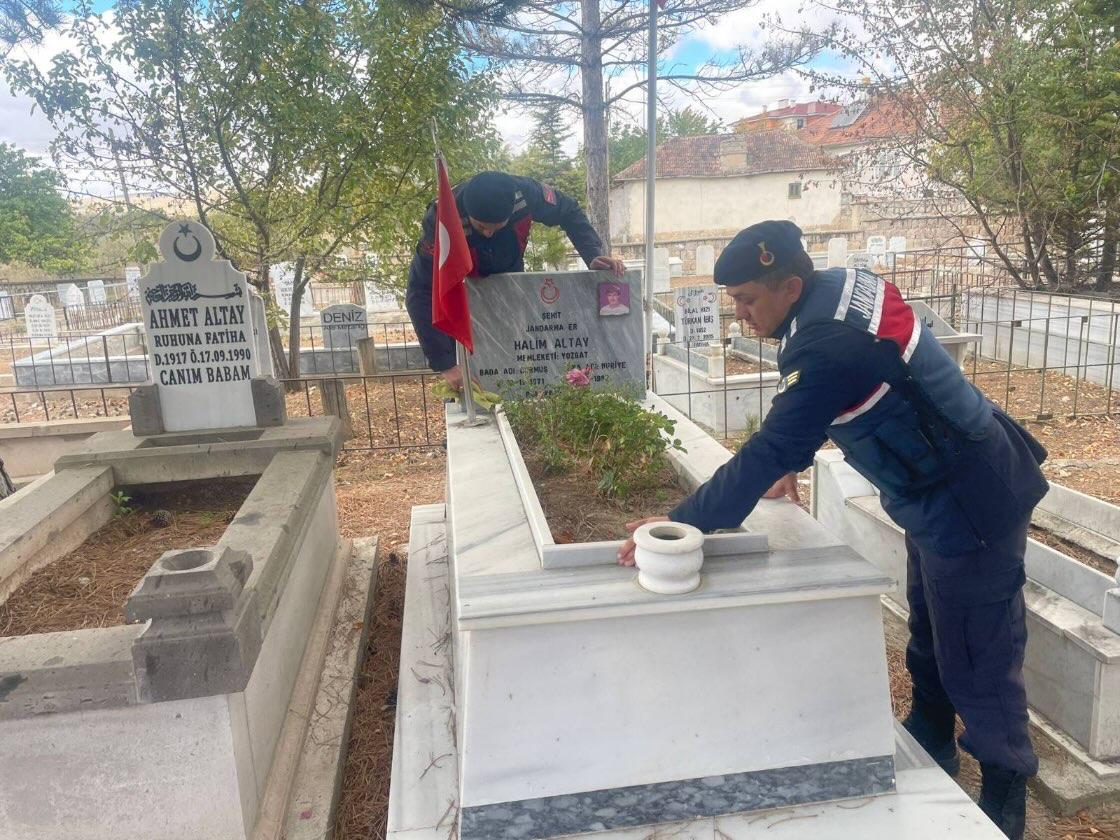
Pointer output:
x,y
451,264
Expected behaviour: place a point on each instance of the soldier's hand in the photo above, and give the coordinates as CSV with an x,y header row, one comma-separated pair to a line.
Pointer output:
x,y
453,376
784,486
626,553
612,264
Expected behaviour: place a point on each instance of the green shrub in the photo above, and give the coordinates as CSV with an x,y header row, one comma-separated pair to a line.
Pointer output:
x,y
620,442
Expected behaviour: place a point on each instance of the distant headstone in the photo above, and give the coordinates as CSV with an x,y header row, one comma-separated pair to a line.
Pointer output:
x,y
531,329
897,244
198,322
977,249
697,314
837,252
39,318
283,277
705,260
262,354
7,308
378,299
876,245
661,270
71,296
132,280
859,259
676,266
344,325
96,289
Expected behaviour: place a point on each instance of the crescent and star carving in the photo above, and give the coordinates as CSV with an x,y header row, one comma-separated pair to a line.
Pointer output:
x,y
185,230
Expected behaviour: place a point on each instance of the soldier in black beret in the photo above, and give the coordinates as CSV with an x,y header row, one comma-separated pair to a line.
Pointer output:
x,y
859,368
497,211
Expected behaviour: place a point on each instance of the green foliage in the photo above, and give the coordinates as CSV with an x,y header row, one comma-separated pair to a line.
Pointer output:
x,y
292,130
36,224
120,503
26,20
621,443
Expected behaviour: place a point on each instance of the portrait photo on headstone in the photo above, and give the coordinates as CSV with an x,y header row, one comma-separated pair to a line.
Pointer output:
x,y
614,299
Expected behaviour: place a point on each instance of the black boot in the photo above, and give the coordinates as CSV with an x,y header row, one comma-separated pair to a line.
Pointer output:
x,y
1003,797
933,726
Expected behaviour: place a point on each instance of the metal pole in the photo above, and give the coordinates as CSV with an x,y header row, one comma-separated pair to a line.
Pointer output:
x,y
468,396
651,172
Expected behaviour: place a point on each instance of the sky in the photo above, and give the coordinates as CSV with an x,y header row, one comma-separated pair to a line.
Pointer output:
x,y
22,125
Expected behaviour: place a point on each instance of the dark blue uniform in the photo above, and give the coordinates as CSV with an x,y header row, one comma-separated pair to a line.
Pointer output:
x,y
500,253
953,470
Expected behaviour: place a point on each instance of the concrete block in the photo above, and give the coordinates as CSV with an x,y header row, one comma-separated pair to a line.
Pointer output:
x,y
144,409
198,655
268,401
190,581
1111,614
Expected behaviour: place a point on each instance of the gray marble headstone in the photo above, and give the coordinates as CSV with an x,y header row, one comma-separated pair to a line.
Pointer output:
x,y
132,280
344,324
531,329
705,260
71,296
96,289
837,251
697,310
39,318
263,352
379,299
7,308
198,322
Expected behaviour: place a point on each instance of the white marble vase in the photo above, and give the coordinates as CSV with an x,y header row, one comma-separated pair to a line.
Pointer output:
x,y
669,556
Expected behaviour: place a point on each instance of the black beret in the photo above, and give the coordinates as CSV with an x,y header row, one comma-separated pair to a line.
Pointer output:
x,y
757,250
488,197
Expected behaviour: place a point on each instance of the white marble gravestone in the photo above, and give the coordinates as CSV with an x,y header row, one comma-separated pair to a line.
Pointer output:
x,y
71,296
7,308
344,325
705,260
876,246
859,259
897,244
379,299
977,249
661,272
198,322
96,289
697,310
263,351
837,252
39,318
530,329
132,280
283,277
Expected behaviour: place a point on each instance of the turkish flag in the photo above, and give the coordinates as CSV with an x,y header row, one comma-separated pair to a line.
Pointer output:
x,y
451,313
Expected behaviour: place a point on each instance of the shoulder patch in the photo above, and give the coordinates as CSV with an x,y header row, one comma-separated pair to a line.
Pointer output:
x,y
788,381
549,193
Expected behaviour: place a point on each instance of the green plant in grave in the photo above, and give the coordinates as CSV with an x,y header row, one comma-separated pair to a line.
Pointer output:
x,y
121,505
622,443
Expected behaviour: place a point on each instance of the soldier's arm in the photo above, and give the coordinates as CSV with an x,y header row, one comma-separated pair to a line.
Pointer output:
x,y
823,376
551,207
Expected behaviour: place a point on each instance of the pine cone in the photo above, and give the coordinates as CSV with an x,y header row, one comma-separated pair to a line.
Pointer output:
x,y
161,518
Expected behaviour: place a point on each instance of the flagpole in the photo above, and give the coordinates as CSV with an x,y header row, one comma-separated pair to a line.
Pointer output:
x,y
651,171
461,355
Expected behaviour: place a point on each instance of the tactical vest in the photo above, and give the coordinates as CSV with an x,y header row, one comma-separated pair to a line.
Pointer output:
x,y
905,436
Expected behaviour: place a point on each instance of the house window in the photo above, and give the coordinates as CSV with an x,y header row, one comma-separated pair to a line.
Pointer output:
x,y
795,189
800,122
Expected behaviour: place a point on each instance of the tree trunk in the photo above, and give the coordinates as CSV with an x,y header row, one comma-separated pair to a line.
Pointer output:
x,y
1107,266
294,324
333,392
595,144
